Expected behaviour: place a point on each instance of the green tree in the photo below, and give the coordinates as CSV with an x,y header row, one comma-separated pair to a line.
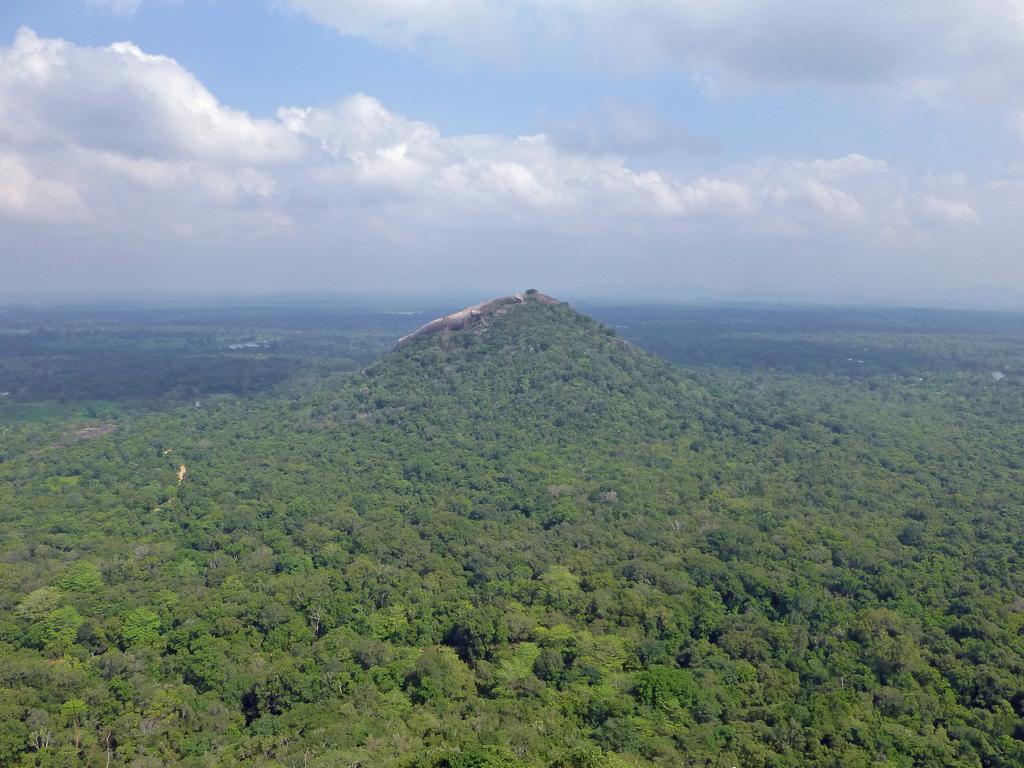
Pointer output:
x,y
82,577
140,626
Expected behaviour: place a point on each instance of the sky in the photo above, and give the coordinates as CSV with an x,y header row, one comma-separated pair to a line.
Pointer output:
x,y
769,150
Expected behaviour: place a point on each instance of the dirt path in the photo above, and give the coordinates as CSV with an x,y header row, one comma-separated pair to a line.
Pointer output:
x,y
182,470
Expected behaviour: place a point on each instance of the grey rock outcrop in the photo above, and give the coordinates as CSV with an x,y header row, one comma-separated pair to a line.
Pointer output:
x,y
475,314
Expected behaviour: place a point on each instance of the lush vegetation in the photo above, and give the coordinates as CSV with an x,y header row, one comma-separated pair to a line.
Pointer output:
x,y
156,356
854,342
529,543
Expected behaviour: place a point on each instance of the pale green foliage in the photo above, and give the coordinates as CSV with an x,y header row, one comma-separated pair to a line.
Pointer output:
x,y
141,626
560,585
389,622
38,603
73,710
59,628
514,673
82,577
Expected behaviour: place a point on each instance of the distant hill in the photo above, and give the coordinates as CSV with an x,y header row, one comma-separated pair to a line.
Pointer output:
x,y
529,362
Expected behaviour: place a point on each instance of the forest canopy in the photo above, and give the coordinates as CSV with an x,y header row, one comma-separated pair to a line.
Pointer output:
x,y
526,542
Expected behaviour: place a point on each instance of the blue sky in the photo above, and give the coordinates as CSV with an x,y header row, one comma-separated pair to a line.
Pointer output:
x,y
754,148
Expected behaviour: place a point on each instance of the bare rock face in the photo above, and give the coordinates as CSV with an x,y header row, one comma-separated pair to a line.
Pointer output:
x,y
475,314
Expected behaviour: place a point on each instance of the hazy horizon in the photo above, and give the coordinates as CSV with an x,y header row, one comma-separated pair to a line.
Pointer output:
x,y
413,301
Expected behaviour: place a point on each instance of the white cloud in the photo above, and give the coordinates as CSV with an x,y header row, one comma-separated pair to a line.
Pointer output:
x,y
223,186
121,99
851,193
23,194
955,211
369,145
949,54
921,46
137,155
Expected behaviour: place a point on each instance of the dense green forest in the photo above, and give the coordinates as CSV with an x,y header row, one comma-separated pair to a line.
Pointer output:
x,y
795,538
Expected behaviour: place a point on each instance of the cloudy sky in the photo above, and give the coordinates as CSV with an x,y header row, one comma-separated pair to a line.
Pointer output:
x,y
742,149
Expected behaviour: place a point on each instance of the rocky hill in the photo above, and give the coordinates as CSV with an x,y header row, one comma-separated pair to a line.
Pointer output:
x,y
477,314
531,364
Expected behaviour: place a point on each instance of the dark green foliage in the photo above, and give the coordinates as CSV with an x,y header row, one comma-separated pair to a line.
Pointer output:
x,y
528,543
667,688
159,355
475,756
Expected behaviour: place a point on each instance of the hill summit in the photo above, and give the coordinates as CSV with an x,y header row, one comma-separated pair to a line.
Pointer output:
x,y
477,314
